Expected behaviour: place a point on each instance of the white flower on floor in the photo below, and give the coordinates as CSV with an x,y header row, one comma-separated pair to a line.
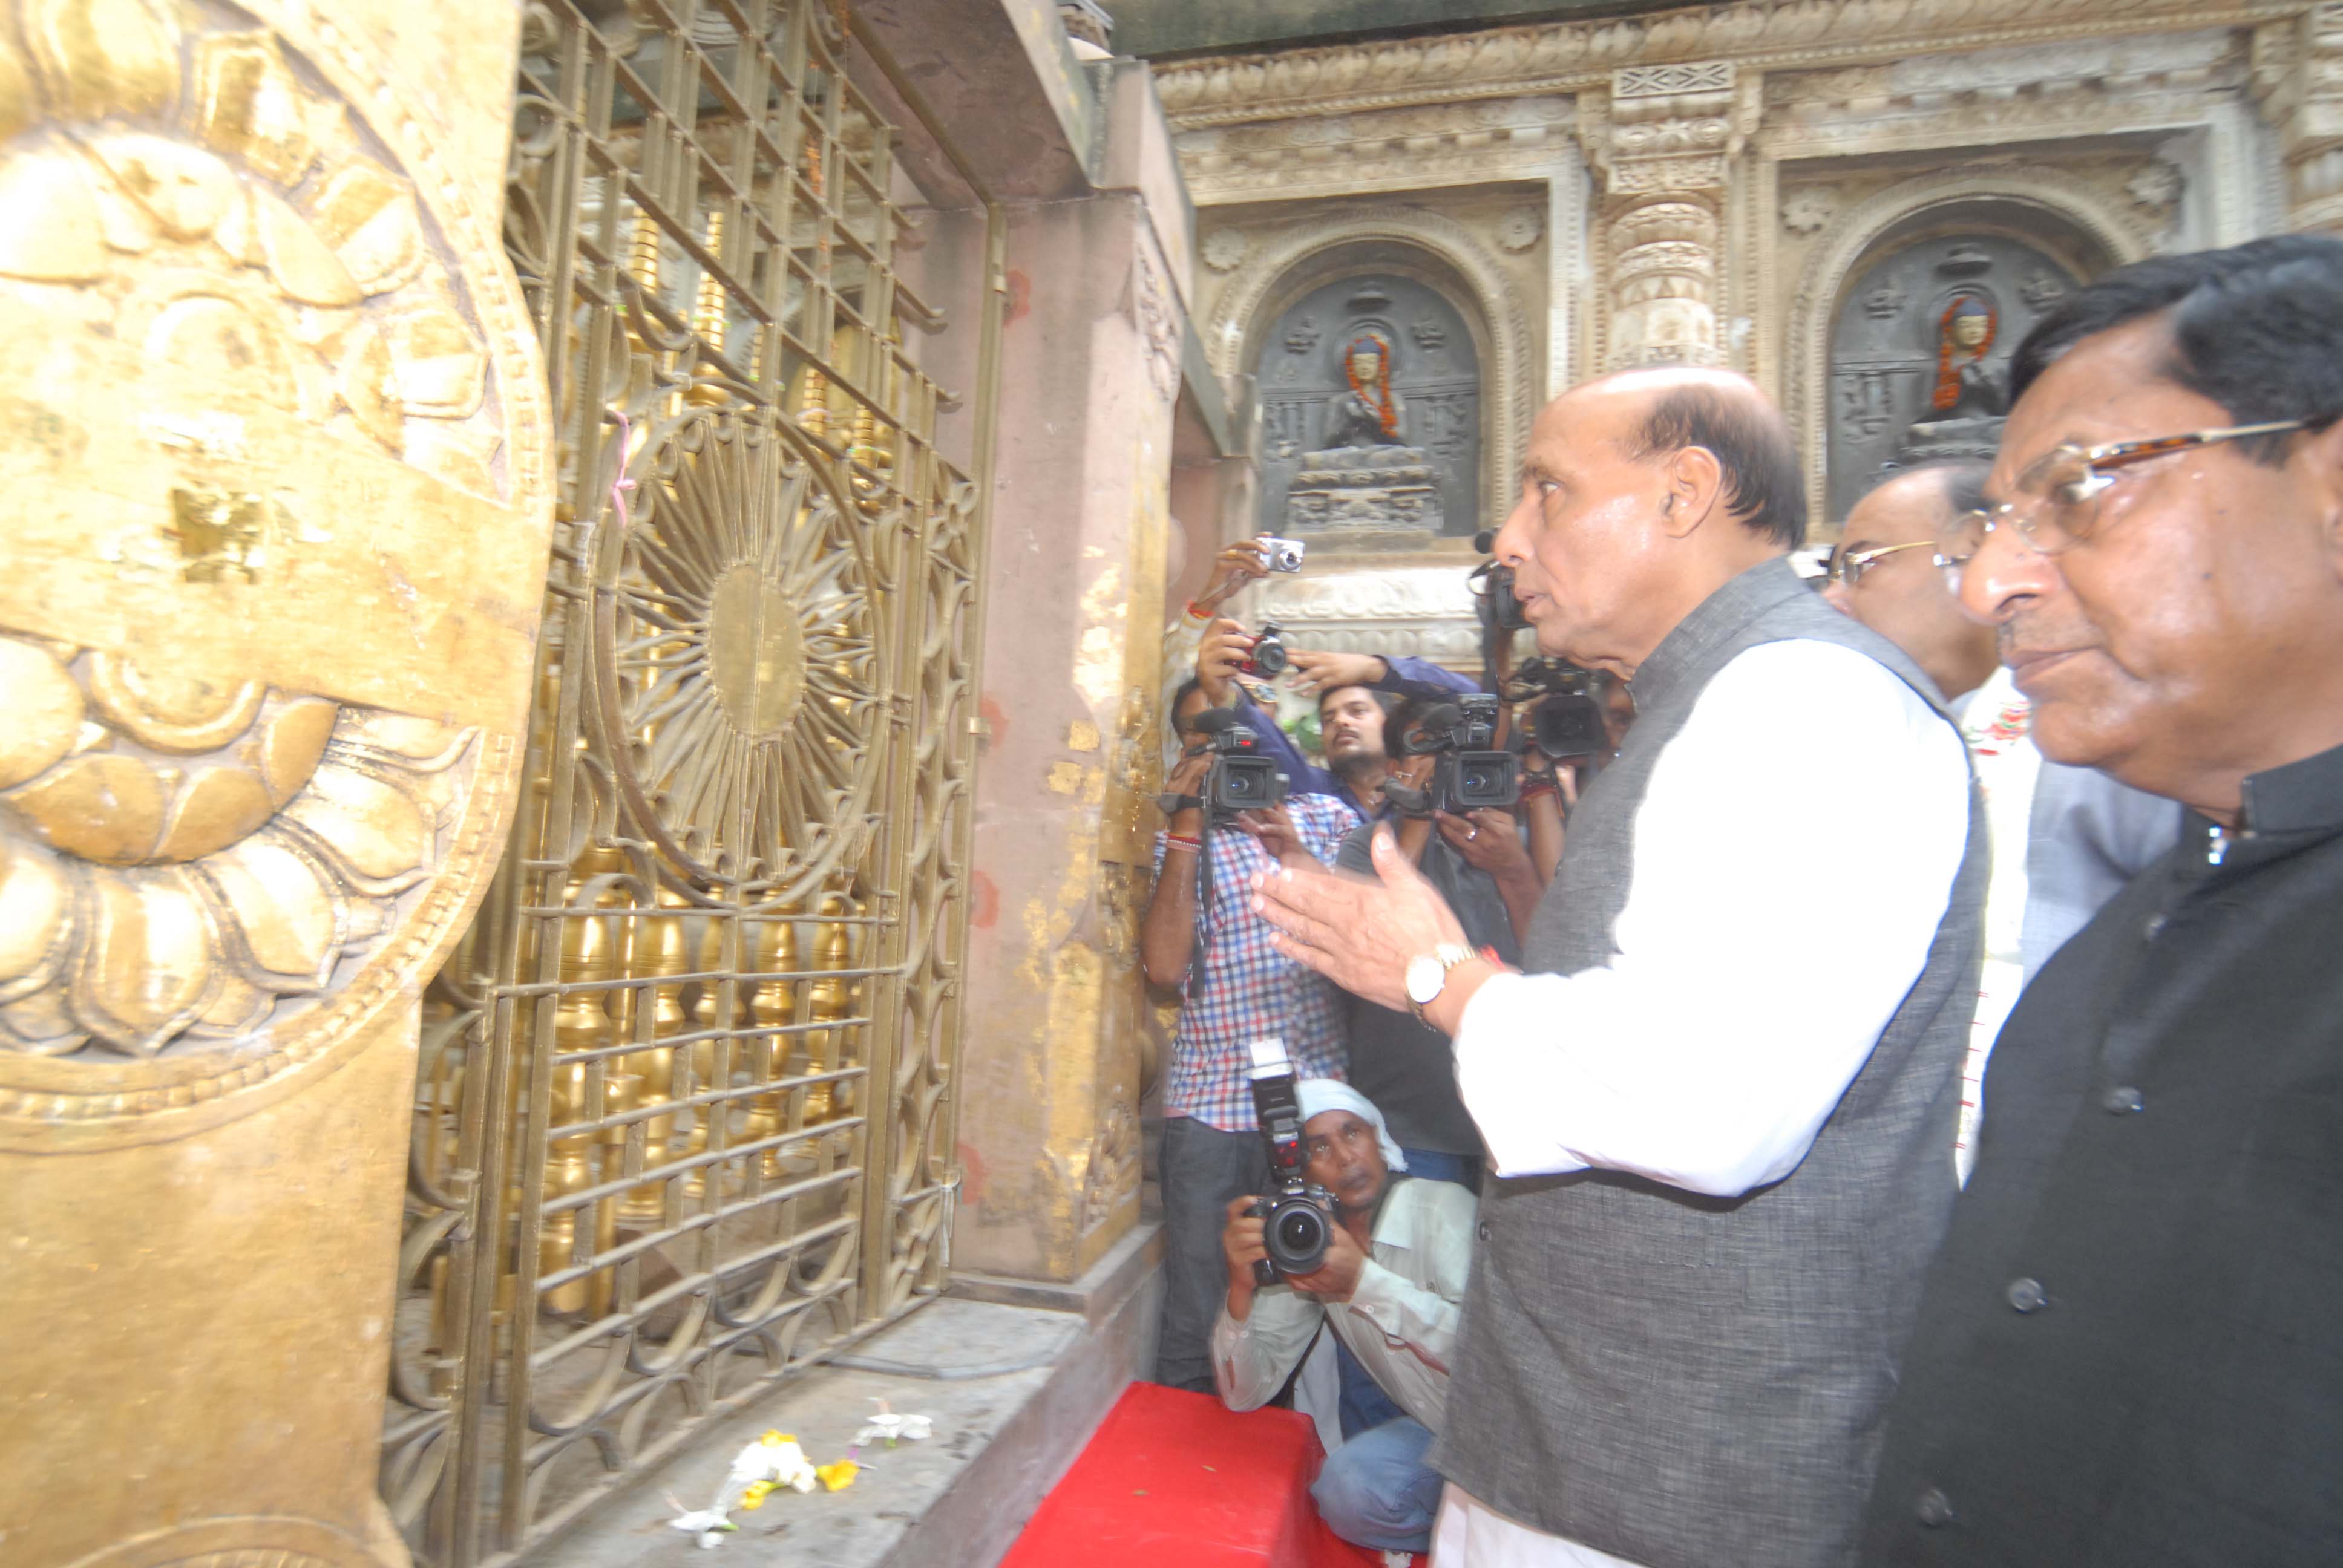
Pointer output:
x,y
889,1428
707,1523
772,1462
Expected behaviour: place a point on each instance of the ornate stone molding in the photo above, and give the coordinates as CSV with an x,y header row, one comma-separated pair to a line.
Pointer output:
x,y
1569,56
1421,612
1391,149
1157,316
1507,367
1843,247
2298,74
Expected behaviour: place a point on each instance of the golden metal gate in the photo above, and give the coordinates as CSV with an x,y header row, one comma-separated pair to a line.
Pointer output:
x,y
684,1116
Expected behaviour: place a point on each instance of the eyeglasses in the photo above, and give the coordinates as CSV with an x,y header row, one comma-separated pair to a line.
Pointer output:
x,y
1849,568
2057,503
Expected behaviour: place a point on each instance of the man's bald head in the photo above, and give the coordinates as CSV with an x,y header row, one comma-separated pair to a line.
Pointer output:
x,y
1666,408
1643,493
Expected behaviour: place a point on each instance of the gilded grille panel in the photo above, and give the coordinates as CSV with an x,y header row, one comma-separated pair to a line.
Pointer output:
x,y
683,1121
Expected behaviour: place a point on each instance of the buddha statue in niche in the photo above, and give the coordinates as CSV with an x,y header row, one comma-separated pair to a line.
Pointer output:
x,y
1966,403
1366,479
1369,415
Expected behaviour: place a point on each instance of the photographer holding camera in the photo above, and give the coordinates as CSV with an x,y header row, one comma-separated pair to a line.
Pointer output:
x,y
1351,687
1388,1285
1228,817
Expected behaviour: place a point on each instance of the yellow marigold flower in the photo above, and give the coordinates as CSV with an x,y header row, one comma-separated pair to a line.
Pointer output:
x,y
839,1476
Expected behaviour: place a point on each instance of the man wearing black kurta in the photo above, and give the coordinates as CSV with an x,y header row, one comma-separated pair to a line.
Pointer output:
x,y
2130,1349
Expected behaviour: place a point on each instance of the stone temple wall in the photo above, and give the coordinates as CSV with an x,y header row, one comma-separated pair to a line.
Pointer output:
x,y
1706,187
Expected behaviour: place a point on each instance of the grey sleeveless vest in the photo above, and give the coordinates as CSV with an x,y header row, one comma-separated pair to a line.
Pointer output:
x,y
1690,1381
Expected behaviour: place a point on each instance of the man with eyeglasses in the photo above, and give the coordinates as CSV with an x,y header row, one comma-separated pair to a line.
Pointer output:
x,y
2130,1349
2065,840
1886,572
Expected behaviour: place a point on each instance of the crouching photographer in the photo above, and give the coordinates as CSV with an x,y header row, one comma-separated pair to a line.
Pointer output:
x,y
1388,1287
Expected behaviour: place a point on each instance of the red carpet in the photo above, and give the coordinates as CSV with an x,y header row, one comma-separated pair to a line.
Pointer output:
x,y
1175,1480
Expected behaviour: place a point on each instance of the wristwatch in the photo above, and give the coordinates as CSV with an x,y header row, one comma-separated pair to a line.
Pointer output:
x,y
1427,976
1171,803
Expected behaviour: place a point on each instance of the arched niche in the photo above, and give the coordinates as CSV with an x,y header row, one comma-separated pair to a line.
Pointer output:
x,y
1432,351
1399,242
1872,302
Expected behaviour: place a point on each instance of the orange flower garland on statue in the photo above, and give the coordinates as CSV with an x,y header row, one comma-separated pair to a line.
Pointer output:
x,y
1949,354
1375,394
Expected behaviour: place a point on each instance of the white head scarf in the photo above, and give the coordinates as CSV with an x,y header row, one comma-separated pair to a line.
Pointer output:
x,y
1318,1095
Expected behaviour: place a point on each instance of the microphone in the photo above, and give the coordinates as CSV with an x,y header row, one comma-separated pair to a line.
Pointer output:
x,y
1212,720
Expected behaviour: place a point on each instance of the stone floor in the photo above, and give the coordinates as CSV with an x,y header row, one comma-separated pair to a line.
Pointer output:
x,y
1021,1387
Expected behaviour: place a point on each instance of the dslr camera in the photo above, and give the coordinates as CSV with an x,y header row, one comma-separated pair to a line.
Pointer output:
x,y
1295,1216
1241,777
1566,723
1472,773
1269,658
1283,555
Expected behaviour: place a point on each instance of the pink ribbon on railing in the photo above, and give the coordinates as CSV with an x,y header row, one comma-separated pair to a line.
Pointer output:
x,y
620,484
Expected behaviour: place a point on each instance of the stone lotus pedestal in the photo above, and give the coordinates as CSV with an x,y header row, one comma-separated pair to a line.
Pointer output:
x,y
1364,489
1939,440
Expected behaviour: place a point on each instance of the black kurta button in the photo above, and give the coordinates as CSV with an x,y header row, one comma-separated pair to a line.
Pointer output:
x,y
2027,1295
2154,927
1935,1509
2123,1100
1482,1229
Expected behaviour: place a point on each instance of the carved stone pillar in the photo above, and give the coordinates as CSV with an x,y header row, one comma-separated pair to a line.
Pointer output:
x,y
2298,76
1664,139
275,524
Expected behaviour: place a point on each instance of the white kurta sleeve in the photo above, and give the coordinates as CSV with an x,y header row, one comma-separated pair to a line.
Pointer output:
x,y
1811,804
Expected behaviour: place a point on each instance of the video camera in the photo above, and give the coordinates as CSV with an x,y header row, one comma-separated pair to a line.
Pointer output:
x,y
1471,774
1295,1217
1566,723
1241,777
1491,583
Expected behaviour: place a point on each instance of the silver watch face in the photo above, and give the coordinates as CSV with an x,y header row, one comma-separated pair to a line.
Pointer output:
x,y
1425,975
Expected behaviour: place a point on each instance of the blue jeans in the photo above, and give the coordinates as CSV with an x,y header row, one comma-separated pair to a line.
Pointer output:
x,y
1435,1165
1377,1491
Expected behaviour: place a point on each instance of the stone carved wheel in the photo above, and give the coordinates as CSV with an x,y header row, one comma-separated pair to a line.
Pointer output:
x,y
269,450
741,661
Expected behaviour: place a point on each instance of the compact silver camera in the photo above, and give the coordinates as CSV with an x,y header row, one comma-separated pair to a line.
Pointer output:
x,y
1283,555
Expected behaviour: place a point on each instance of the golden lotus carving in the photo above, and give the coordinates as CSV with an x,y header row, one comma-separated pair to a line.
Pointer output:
x,y
188,860
254,230
274,482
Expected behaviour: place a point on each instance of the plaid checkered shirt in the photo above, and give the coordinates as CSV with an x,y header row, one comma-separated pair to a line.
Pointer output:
x,y
1246,989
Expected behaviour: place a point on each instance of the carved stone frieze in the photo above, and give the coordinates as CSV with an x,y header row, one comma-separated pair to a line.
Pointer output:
x,y
2298,73
1111,1165
1422,612
1807,209
278,570
1223,249
1570,56
1427,145
1157,316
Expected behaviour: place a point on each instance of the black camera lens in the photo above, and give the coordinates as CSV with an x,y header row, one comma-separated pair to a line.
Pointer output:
x,y
1295,1236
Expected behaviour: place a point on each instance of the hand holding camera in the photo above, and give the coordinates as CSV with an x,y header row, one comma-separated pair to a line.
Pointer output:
x,y
1297,1220
1469,774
